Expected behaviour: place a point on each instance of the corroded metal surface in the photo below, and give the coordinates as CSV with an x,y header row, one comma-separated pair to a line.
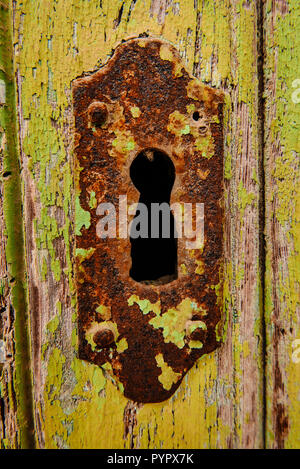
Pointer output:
x,y
147,335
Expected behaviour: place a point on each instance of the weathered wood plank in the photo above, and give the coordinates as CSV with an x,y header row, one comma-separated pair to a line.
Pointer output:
x,y
282,147
219,405
16,416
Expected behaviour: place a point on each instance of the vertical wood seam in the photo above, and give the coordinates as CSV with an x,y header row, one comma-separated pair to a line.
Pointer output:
x,y
262,208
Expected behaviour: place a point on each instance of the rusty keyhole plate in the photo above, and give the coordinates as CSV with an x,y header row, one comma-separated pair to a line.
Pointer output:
x,y
147,335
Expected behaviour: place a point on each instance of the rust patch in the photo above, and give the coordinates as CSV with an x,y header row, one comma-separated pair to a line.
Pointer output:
x,y
144,333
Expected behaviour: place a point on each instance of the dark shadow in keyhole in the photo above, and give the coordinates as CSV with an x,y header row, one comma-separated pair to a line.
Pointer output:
x,y
154,260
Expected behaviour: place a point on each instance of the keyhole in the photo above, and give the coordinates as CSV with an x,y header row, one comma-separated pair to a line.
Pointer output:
x,y
154,259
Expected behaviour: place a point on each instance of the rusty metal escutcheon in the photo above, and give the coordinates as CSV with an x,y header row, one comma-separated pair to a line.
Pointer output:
x,y
147,334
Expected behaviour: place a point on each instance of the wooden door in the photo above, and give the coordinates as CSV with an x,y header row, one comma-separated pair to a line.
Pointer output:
x,y
245,394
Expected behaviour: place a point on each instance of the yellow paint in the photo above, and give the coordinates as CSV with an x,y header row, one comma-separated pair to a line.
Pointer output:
x,y
167,54
200,267
122,345
183,269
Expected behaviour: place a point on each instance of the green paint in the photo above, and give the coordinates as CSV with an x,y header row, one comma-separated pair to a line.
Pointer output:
x,y
197,325
282,205
82,218
255,176
178,124
135,111
44,269
52,173
195,344
172,322
206,146
55,367
186,130
104,312
123,143
244,198
53,324
227,136
83,254
93,200
130,145
145,305
56,269
122,345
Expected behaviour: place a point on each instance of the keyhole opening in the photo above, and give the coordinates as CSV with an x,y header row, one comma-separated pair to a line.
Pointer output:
x,y
154,258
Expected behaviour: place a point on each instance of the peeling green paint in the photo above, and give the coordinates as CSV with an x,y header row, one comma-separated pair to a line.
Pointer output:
x,y
93,200
122,345
104,312
83,254
82,218
145,305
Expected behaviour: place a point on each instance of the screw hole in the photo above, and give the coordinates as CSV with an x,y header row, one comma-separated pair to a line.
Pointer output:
x,y
203,129
98,118
196,116
98,115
